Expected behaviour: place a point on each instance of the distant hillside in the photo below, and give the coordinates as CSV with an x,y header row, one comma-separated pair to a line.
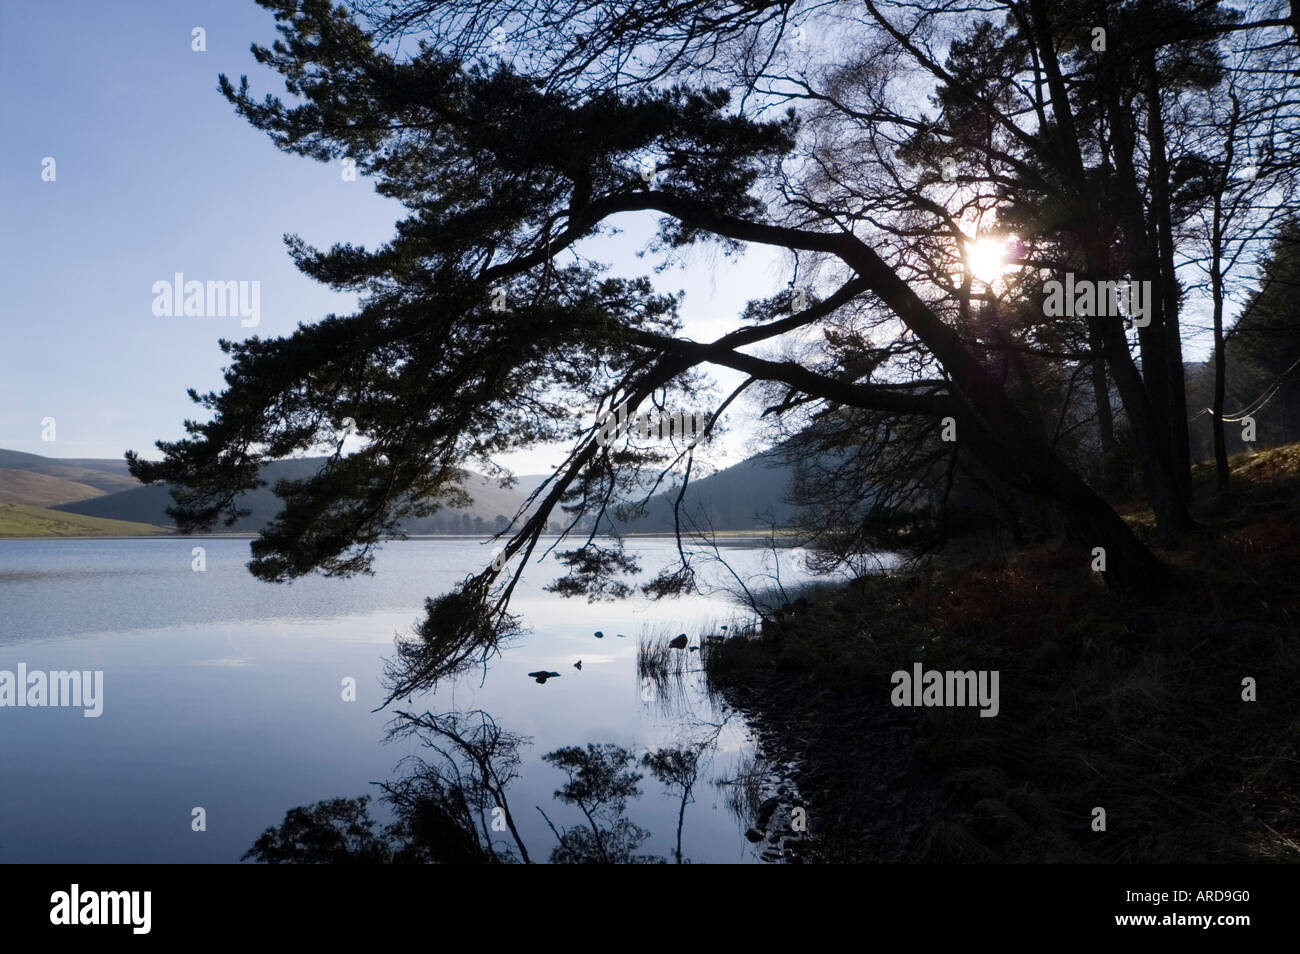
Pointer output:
x,y
108,476
17,520
745,496
750,495
41,490
149,504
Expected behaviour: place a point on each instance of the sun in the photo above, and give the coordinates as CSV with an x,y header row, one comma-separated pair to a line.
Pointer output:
x,y
987,259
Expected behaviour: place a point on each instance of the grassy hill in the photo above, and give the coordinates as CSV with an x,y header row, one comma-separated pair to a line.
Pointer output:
x,y
107,476
148,504
19,520
41,490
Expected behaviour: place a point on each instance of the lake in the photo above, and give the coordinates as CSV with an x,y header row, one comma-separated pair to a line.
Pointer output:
x,y
224,692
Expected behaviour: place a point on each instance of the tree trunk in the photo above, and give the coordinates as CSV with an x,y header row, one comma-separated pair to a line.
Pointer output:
x,y
1101,393
1150,437
999,434
1130,565
1221,470
995,428
1179,446
1145,396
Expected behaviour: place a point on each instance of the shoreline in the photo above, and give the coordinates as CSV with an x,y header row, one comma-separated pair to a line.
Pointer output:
x,y
1133,709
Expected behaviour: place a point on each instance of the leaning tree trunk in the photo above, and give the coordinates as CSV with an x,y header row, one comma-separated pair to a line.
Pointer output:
x,y
994,427
998,433
1026,462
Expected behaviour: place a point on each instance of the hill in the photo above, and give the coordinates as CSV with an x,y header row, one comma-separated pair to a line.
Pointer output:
x,y
18,520
41,490
750,495
745,496
149,504
107,476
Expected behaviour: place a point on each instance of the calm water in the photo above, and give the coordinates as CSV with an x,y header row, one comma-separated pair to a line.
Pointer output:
x,y
223,692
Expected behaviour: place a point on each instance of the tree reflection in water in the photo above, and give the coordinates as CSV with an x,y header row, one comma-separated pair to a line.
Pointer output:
x,y
450,802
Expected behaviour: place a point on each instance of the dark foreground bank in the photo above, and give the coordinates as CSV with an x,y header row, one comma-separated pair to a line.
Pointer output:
x,y
1125,731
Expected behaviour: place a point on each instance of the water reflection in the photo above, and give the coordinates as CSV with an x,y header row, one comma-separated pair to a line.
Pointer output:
x,y
224,692
452,804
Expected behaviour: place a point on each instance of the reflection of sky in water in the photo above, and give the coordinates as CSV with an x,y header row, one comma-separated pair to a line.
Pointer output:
x,y
224,692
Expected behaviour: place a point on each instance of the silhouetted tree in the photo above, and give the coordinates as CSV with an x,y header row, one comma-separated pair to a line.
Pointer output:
x,y
475,760
336,831
341,831
599,785
679,769
475,336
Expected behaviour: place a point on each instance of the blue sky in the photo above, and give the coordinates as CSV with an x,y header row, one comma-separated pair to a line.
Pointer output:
x,y
155,174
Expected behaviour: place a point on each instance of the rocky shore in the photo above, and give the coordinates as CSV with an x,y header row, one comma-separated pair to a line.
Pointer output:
x,y
849,759
1137,710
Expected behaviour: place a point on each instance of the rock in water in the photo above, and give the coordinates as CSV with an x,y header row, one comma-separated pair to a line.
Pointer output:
x,y
766,810
679,642
599,634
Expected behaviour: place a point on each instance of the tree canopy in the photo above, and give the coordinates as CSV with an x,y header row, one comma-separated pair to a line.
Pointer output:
x,y
884,145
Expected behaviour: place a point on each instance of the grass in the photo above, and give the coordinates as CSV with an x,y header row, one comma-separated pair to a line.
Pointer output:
x,y
19,520
664,666
742,789
662,671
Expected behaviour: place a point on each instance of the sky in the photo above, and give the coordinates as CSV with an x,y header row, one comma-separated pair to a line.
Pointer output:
x,y
154,174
